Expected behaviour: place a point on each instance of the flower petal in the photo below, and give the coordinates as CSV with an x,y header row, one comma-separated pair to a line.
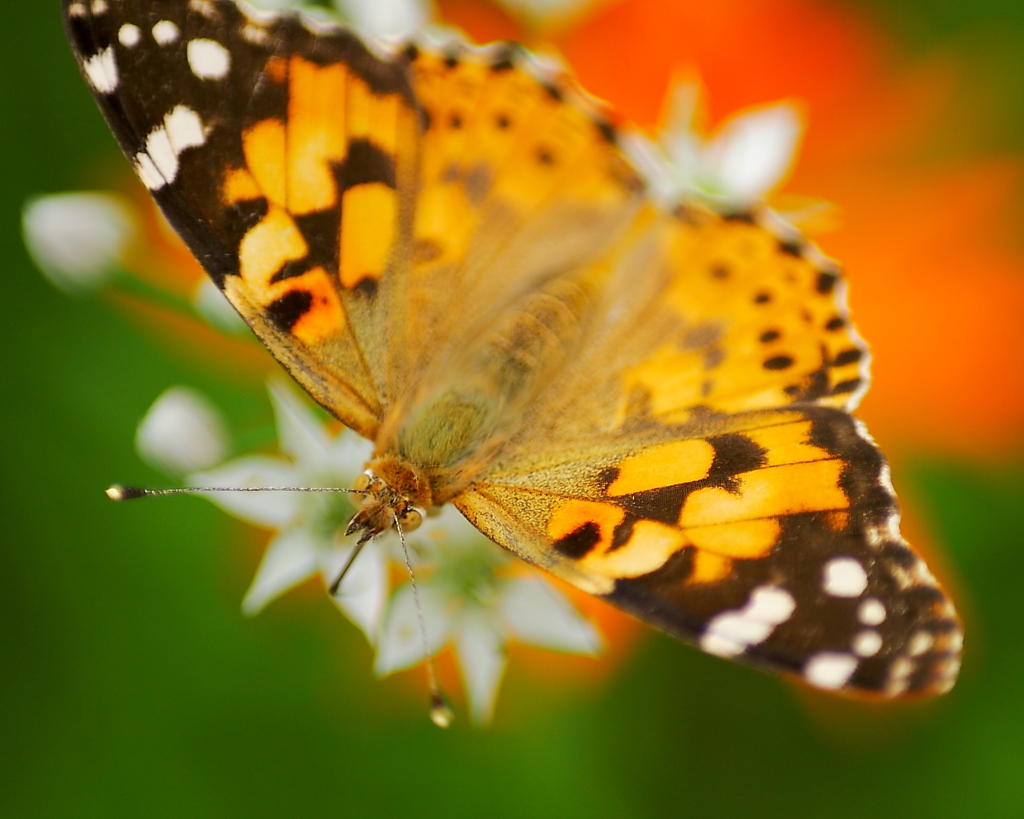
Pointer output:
x,y
399,643
753,152
537,614
482,659
76,239
300,432
364,591
181,432
348,453
291,558
385,18
273,510
213,306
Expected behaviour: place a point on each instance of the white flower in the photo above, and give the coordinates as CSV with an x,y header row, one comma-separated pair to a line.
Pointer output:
x,y
77,239
181,432
749,155
467,600
467,596
214,306
308,524
389,19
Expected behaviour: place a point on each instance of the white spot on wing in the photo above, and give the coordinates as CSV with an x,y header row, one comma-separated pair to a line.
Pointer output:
x,y
160,150
165,32
899,676
101,69
208,59
158,164
77,10
203,7
129,35
148,172
254,34
920,643
99,7
867,643
732,632
184,129
845,577
830,669
871,612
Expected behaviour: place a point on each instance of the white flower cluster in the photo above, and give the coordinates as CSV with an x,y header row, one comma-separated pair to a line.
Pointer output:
x,y
750,154
468,597
400,18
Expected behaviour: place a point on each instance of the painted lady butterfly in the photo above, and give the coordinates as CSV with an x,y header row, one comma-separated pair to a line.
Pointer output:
x,y
448,249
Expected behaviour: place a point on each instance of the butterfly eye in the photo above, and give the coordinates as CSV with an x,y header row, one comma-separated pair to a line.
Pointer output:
x,y
410,520
362,482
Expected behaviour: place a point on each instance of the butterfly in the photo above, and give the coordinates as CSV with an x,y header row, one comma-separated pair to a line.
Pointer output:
x,y
448,247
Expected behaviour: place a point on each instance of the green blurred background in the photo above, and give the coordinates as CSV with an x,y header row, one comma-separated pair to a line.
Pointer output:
x,y
130,684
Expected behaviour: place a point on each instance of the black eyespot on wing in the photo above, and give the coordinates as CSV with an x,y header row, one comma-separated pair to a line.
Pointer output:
x,y
609,133
850,356
791,247
734,455
578,543
663,505
827,281
287,310
366,163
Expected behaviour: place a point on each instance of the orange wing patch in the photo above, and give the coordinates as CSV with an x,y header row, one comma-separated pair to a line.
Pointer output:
x,y
665,465
763,324
720,498
318,135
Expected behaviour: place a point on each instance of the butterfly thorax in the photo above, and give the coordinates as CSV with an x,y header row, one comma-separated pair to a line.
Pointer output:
x,y
470,400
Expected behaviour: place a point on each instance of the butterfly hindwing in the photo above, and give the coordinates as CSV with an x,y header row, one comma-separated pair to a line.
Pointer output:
x,y
770,538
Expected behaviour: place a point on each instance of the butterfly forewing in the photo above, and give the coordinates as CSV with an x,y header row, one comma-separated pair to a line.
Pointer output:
x,y
284,156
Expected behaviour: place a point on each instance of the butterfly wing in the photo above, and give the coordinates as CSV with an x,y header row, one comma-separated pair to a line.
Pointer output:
x,y
363,211
521,182
286,159
680,472
691,459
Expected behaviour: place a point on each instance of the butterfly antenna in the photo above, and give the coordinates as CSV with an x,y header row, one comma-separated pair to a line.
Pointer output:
x,y
348,565
123,493
440,712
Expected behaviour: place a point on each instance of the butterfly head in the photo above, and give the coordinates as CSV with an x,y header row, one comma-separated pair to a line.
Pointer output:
x,y
394,495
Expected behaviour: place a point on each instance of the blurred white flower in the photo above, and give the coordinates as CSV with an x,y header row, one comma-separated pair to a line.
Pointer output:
x,y
389,19
277,5
467,596
77,239
467,600
750,154
181,432
310,525
214,306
